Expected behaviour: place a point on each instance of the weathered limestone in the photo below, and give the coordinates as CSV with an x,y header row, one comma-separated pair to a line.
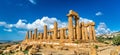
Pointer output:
x,y
90,32
30,35
78,30
80,26
86,32
61,34
93,31
55,30
45,32
35,34
27,36
33,37
70,27
83,31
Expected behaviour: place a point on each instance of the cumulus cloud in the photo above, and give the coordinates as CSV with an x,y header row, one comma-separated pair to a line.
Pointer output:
x,y
23,32
98,14
32,1
85,20
8,30
39,24
20,24
2,23
102,29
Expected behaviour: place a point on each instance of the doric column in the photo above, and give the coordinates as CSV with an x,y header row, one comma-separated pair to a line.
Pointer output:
x,y
83,31
90,32
61,34
45,31
38,36
30,35
27,35
78,30
55,31
33,37
41,36
86,32
70,27
93,31
35,34
74,34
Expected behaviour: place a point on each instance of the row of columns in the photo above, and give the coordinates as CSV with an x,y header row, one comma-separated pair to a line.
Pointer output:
x,y
81,32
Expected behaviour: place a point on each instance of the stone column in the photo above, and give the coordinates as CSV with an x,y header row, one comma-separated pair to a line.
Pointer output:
x,y
55,30
90,32
78,30
35,34
80,26
83,31
93,31
86,32
41,36
33,37
27,35
70,27
30,35
74,31
45,32
61,34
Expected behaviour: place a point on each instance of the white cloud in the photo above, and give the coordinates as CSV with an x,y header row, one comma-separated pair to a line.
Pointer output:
x,y
39,23
20,24
85,20
23,32
8,30
2,23
32,1
102,29
98,13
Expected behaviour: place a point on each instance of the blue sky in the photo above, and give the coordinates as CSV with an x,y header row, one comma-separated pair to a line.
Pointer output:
x,y
17,16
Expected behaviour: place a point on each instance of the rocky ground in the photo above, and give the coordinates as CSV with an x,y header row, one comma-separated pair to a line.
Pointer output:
x,y
38,49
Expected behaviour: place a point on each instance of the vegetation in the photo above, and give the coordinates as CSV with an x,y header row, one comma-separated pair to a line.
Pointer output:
x,y
96,46
25,52
104,40
116,40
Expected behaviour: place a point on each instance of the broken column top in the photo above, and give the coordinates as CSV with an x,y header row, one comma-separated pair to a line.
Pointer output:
x,y
82,23
92,23
74,14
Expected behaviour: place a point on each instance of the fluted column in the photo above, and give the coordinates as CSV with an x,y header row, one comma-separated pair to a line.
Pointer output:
x,y
93,31
55,31
35,34
78,30
61,34
27,35
83,31
90,32
45,32
86,32
41,36
30,35
70,27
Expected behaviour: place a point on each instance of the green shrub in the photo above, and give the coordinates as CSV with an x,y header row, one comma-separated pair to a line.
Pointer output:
x,y
25,52
96,46
116,40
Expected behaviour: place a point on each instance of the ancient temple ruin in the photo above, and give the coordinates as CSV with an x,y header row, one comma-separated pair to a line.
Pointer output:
x,y
80,31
